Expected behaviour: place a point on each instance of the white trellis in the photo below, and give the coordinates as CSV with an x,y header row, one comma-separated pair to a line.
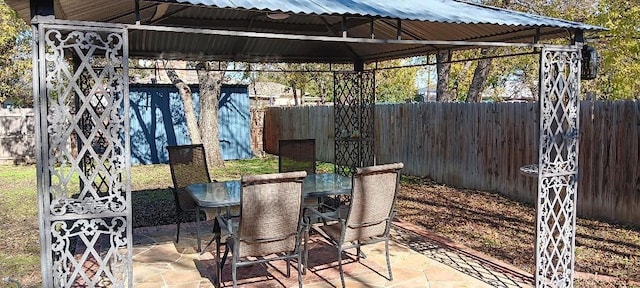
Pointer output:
x,y
558,166
83,165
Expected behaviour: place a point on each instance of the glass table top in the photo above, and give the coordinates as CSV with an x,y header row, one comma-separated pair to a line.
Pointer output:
x,y
227,193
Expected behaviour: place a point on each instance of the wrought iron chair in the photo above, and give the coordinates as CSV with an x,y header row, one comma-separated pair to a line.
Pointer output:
x,y
188,165
297,155
370,213
270,223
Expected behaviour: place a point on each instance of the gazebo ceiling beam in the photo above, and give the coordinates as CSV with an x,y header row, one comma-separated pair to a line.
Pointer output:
x,y
350,23
347,39
165,15
116,17
334,30
231,24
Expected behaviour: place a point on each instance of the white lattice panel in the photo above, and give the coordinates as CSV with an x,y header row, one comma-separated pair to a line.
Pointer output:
x,y
84,164
558,167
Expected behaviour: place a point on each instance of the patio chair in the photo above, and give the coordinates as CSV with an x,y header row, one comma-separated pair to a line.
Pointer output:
x,y
188,165
369,216
270,222
297,155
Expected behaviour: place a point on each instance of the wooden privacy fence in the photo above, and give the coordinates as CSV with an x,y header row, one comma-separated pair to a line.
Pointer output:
x,y
483,145
17,141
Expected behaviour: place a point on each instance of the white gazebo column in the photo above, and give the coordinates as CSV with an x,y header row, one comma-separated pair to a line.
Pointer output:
x,y
557,166
82,131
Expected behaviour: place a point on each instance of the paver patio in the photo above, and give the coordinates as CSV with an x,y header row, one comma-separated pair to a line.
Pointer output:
x,y
418,259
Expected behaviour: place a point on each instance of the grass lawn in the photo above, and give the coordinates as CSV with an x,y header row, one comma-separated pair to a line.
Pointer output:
x,y
480,220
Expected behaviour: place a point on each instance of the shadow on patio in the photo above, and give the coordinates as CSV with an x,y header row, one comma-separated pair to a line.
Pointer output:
x,y
418,259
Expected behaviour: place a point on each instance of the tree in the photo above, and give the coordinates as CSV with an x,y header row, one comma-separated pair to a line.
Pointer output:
x,y
210,83
395,84
480,76
619,49
443,68
205,130
297,81
15,58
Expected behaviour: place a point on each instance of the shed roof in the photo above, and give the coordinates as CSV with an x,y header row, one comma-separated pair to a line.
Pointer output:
x,y
240,30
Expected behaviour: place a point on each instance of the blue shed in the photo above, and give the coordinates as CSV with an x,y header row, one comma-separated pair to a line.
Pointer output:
x,y
157,120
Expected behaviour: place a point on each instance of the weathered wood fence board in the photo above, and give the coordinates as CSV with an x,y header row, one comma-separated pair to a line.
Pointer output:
x,y
257,131
17,144
300,123
482,146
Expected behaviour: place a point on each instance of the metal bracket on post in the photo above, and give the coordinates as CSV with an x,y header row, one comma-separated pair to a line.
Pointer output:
x,y
137,8
344,26
373,34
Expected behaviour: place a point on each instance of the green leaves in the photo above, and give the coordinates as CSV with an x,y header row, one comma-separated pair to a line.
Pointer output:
x,y
619,49
15,58
396,84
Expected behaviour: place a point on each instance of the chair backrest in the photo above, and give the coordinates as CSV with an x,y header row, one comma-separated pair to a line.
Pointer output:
x,y
297,155
188,165
270,213
372,200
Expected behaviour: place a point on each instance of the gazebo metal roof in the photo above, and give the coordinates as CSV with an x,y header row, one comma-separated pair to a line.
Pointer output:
x,y
241,30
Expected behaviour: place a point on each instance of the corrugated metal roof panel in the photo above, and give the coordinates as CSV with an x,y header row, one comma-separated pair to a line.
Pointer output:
x,y
429,20
446,11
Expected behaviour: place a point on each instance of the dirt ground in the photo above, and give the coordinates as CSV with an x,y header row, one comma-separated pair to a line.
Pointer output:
x,y
505,229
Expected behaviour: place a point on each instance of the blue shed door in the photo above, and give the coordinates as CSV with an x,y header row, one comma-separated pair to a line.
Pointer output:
x,y
234,122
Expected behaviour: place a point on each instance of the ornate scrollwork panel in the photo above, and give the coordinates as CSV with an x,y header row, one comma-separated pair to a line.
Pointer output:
x,y
90,252
354,108
83,86
558,167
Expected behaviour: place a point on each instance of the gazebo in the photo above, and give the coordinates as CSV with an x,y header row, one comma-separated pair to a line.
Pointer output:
x,y
81,51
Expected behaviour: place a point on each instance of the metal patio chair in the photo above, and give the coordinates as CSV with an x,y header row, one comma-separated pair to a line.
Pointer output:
x,y
297,155
188,164
270,223
369,216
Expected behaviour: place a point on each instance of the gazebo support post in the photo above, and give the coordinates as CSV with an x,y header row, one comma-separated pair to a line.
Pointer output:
x,y
557,166
354,110
86,224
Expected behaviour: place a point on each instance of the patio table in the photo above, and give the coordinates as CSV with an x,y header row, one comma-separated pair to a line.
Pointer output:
x,y
227,193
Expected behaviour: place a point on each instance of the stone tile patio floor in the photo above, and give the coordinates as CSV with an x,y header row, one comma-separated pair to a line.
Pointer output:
x,y
418,259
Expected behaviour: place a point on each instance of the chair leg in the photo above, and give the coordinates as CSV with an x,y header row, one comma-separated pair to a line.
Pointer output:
x,y
306,251
288,267
386,248
233,274
358,251
340,266
299,269
218,264
224,257
178,221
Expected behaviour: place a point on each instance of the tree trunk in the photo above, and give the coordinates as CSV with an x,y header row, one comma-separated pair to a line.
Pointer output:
x,y
443,68
210,85
295,94
187,102
480,76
